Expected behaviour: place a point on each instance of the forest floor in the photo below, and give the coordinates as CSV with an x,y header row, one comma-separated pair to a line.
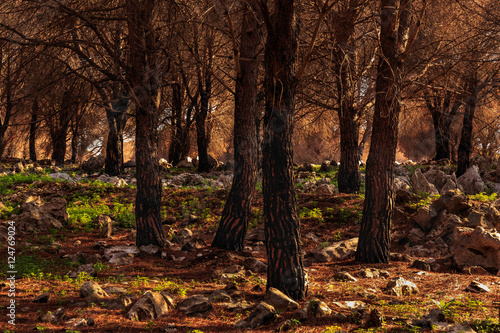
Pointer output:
x,y
42,267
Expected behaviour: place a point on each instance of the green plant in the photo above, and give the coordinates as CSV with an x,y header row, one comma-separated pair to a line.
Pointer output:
x,y
150,325
39,327
99,266
484,197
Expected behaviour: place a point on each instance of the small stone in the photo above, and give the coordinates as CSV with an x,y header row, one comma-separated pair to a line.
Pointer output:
x,y
477,287
43,298
344,276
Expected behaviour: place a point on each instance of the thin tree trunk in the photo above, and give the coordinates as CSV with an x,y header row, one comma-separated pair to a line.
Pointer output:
x,y
374,238
201,134
117,116
234,220
144,83
465,146
9,106
33,127
285,268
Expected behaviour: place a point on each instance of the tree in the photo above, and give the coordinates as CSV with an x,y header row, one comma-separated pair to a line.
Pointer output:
x,y
395,39
234,220
285,269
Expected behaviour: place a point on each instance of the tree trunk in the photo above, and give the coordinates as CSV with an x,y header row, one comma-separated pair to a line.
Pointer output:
x,y
181,123
465,146
59,132
117,116
9,105
145,85
201,134
33,127
74,143
285,269
234,220
374,238
348,177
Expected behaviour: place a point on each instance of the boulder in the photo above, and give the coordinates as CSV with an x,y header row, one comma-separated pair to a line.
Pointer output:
x,y
105,225
336,252
61,175
194,304
476,247
423,217
451,183
318,308
453,201
471,181
255,265
325,167
149,307
436,177
257,234
92,292
279,300
53,317
401,183
477,287
421,185
326,189
263,314
94,163
121,302
185,164
38,215
401,287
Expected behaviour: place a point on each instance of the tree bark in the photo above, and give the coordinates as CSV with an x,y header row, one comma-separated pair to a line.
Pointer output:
x,y
285,269
237,211
144,82
117,116
374,238
201,133
181,124
33,127
465,145
348,177
9,105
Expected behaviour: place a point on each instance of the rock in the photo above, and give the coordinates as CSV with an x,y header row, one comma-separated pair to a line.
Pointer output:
x,y
255,265
279,300
220,296
194,304
121,255
373,273
401,183
150,306
105,224
226,180
61,175
476,247
257,234
184,164
238,307
375,319
344,276
451,184
241,325
475,270
423,217
92,292
87,269
326,189
150,249
38,215
53,317
436,177
306,167
421,185
401,287
318,308
324,180
471,181
477,287
336,252
18,167
263,314
76,322
43,298
453,201
325,167
95,163
121,303
164,164
352,305
476,219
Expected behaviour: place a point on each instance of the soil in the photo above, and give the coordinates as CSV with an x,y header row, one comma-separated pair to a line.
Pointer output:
x,y
199,272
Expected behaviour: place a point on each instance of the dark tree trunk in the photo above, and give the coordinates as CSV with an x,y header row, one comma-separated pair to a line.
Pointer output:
x,y
234,220
201,134
8,106
33,128
117,115
348,177
374,239
74,143
145,84
442,112
285,269
465,146
181,123
59,132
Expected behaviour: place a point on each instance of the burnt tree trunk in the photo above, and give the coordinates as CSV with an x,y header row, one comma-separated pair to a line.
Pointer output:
x,y
59,130
234,220
181,123
117,114
33,127
9,105
348,177
285,268
465,145
374,238
201,133
74,143
144,80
